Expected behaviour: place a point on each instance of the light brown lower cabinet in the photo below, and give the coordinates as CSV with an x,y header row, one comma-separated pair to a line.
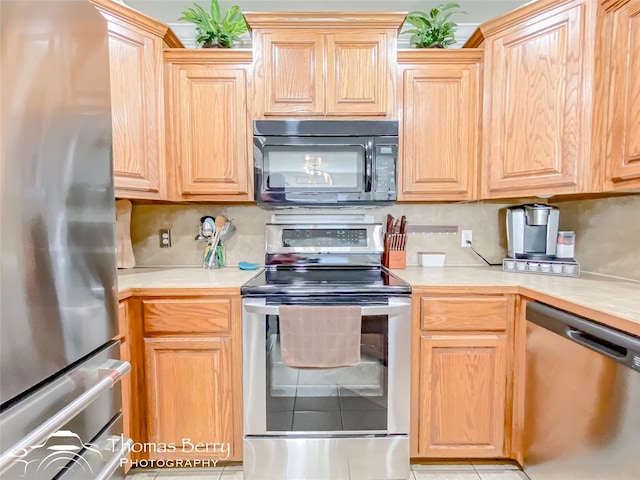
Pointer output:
x,y
190,397
187,357
125,354
193,377
183,399
126,382
462,375
463,389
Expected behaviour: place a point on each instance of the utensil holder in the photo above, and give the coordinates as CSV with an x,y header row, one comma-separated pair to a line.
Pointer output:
x,y
395,259
218,261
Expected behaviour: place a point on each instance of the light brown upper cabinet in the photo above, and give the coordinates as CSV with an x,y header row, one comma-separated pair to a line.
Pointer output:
x,y
317,64
208,135
538,100
439,93
622,63
137,100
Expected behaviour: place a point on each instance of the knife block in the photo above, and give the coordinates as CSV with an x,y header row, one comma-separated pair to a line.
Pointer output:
x,y
395,259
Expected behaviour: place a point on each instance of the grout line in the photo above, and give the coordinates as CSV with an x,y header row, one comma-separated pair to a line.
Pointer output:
x,y
412,473
610,276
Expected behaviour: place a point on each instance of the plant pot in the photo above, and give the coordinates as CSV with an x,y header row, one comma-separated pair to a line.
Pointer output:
x,y
433,45
211,45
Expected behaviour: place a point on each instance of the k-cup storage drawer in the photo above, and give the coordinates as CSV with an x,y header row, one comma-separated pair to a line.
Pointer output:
x,y
170,316
466,313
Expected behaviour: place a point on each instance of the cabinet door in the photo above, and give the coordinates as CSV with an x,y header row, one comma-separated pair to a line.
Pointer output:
x,y
137,109
293,72
462,396
623,152
357,69
209,138
537,105
440,132
189,386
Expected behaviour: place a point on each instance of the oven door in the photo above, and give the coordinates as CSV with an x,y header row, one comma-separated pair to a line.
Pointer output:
x,y
370,398
313,170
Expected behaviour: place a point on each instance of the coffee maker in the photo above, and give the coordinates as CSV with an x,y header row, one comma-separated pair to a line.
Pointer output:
x,y
532,231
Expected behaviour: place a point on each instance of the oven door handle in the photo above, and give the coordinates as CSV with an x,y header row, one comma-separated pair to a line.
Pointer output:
x,y
371,310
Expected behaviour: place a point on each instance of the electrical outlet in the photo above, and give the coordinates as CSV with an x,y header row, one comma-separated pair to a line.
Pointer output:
x,y
165,238
466,237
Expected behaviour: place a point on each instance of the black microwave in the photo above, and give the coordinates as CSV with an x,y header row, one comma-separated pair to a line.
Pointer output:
x,y
325,162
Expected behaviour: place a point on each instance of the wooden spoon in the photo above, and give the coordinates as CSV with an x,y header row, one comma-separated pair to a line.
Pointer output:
x,y
219,222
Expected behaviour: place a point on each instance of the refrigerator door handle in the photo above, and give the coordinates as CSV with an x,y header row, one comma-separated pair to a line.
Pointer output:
x,y
116,461
110,373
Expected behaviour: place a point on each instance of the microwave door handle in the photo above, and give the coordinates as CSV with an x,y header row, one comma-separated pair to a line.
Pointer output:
x,y
368,165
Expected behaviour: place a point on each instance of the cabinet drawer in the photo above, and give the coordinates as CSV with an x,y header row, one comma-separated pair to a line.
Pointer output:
x,y
465,313
187,316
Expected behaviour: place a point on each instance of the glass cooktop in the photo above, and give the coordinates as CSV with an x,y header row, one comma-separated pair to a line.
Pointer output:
x,y
325,281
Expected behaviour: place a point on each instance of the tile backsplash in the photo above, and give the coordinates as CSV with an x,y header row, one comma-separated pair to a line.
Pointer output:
x,y
607,232
484,219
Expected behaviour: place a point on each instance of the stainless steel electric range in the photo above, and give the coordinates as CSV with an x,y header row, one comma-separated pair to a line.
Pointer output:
x,y
314,421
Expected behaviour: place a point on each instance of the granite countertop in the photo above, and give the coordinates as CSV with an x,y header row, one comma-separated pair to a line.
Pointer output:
x,y
610,300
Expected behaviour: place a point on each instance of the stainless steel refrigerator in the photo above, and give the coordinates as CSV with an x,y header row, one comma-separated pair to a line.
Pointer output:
x,y
60,400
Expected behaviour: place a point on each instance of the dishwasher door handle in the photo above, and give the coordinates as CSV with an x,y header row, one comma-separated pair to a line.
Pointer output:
x,y
614,344
598,345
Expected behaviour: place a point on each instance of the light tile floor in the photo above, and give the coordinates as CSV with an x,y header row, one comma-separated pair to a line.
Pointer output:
x,y
457,471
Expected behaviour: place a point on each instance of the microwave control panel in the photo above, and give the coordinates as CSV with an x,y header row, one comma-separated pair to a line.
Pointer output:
x,y
385,179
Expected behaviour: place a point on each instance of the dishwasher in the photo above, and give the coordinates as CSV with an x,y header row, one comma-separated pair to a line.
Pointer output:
x,y
582,398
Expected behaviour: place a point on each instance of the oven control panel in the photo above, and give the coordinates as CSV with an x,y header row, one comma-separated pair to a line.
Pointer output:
x,y
324,237
352,241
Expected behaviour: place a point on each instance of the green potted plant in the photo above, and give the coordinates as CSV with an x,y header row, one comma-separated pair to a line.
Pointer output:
x,y
214,30
433,28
